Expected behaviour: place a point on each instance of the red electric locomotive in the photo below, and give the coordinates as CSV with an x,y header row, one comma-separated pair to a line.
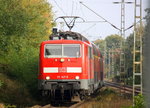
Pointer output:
x,y
69,64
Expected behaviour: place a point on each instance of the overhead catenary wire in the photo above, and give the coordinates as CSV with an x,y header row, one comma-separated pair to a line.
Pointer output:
x,y
76,8
70,24
60,7
62,10
134,24
87,22
89,28
99,16
72,8
81,10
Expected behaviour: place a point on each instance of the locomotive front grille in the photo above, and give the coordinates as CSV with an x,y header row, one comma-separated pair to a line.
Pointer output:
x,y
48,85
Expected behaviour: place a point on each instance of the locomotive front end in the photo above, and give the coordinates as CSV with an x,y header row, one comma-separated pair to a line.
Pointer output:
x,y
60,67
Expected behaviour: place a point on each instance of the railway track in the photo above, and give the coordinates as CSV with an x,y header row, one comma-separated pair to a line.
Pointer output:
x,y
124,88
75,104
72,104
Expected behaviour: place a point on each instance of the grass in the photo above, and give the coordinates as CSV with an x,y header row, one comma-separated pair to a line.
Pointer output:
x,y
14,93
107,98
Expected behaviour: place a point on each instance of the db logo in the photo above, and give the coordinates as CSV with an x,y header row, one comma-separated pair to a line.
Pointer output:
x,y
62,69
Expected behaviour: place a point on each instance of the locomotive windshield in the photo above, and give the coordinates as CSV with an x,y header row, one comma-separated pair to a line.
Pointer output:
x,y
53,51
62,50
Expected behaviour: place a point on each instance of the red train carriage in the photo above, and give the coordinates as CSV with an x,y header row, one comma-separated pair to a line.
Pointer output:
x,y
69,62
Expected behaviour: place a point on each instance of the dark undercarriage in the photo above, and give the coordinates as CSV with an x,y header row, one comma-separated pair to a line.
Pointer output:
x,y
62,91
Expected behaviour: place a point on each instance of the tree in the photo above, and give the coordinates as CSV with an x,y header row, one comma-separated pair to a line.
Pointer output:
x,y
29,19
128,51
111,44
13,19
101,44
24,24
40,17
113,41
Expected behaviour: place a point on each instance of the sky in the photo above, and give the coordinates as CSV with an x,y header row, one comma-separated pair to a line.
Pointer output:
x,y
105,8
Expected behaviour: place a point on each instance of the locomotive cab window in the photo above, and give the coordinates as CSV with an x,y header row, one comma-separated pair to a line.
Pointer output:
x,y
53,51
71,50
62,50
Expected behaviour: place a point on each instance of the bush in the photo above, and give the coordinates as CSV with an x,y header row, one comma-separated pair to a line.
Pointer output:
x,y
1,83
22,59
139,102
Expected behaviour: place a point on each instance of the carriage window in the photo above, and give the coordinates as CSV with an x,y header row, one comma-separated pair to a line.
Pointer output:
x,y
71,50
53,50
90,52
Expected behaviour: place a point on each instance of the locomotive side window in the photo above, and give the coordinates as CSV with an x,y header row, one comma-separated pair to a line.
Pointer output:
x,y
53,50
71,50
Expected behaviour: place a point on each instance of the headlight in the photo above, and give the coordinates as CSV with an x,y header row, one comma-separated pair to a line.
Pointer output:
x,y
62,60
77,77
47,77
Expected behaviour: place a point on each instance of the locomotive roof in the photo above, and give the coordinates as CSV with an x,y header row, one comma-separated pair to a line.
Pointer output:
x,y
68,35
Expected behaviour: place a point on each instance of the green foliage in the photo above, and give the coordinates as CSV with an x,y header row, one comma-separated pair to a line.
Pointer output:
x,y
13,18
126,107
113,41
129,80
108,91
10,106
22,60
128,50
139,102
111,44
30,18
101,45
116,78
24,24
129,54
1,83
40,18
105,92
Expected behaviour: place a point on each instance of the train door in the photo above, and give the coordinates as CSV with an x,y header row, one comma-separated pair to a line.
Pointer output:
x,y
95,64
101,68
90,63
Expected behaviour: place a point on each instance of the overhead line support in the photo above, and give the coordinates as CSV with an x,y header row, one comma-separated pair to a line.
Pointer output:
x,y
137,50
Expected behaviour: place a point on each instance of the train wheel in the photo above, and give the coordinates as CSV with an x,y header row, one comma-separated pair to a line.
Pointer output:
x,y
82,97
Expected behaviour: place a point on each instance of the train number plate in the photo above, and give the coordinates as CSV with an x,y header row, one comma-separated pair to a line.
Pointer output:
x,y
62,77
